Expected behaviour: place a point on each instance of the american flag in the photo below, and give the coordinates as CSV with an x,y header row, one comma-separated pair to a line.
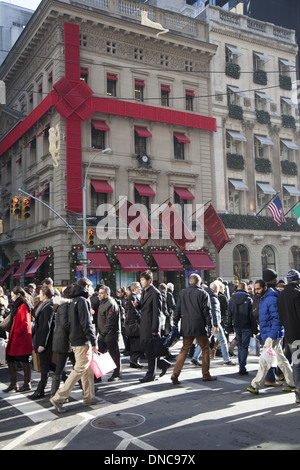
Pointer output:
x,y
275,207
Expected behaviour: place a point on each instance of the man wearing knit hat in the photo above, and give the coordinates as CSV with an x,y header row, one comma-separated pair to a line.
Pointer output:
x,y
289,312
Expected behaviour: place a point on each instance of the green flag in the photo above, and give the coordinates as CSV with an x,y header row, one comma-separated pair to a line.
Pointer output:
x,y
297,213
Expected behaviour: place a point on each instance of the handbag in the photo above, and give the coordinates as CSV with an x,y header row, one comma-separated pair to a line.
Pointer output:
x,y
254,347
268,357
172,338
102,364
6,323
155,347
132,330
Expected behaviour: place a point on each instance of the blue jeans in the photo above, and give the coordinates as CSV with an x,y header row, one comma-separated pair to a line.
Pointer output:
x,y
243,336
295,351
223,343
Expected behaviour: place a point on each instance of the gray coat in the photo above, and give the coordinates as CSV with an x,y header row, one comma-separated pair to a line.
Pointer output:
x,y
61,342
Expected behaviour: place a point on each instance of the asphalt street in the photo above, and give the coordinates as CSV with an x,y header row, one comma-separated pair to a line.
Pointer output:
x,y
155,417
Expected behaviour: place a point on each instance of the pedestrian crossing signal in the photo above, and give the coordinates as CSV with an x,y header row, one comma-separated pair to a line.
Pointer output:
x,y
91,237
16,207
25,208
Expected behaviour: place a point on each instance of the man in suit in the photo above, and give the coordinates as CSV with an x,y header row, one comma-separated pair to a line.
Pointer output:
x,y
150,308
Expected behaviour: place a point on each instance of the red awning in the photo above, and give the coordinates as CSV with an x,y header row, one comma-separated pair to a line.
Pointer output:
x,y
37,264
165,88
144,190
189,93
100,125
200,260
142,131
99,261
182,138
139,83
112,77
102,186
131,260
184,193
23,266
167,260
8,273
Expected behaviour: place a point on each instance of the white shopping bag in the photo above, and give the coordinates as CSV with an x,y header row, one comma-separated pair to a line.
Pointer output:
x,y
102,364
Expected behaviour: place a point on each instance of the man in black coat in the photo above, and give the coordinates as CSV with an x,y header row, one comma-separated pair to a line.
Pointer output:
x,y
83,341
194,310
241,321
108,328
150,306
289,312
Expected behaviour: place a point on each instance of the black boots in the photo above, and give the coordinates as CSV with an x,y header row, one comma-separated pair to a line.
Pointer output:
x,y
12,369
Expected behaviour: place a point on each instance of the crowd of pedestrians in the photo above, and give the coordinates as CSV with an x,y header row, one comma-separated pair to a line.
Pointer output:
x,y
42,326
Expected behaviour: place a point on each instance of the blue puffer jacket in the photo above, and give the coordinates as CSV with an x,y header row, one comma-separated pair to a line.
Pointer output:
x,y
269,322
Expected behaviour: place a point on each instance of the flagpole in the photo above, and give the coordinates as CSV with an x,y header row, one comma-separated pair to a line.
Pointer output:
x,y
267,203
292,208
197,209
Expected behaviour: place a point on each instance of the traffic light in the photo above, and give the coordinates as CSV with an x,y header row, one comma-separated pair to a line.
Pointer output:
x,y
25,208
90,237
16,207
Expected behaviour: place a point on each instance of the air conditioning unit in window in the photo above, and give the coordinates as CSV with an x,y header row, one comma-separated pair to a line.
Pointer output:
x,y
143,161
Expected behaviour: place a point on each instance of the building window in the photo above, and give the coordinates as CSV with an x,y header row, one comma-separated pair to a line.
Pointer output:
x,y
140,144
164,60
294,258
111,85
188,66
241,265
111,47
179,145
165,95
139,90
138,54
268,258
189,100
234,201
97,199
84,75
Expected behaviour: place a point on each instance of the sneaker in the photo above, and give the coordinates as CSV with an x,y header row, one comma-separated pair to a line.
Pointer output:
x,y
273,384
229,363
196,362
253,390
288,388
58,406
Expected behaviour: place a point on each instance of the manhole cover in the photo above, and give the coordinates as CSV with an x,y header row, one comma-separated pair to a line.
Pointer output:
x,y
117,421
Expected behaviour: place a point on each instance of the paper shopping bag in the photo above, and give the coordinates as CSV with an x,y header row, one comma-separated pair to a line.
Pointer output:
x,y
102,364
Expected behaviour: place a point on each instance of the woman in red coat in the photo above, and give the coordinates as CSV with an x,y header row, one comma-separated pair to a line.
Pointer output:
x,y
19,345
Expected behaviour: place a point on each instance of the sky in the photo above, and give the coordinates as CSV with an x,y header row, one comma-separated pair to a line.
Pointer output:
x,y
31,4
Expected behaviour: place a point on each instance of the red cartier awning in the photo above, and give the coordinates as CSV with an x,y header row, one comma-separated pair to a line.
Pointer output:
x,y
144,190
184,193
131,260
142,131
23,266
8,273
37,264
200,260
167,260
111,77
99,260
100,125
182,138
102,186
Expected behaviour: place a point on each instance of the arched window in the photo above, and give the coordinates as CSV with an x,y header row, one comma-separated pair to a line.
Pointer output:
x,y
268,258
241,265
294,258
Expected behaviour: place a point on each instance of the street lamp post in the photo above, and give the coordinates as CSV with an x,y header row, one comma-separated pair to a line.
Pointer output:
x,y
84,209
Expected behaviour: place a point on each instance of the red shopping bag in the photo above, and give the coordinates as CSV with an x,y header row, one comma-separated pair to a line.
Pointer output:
x,y
102,364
